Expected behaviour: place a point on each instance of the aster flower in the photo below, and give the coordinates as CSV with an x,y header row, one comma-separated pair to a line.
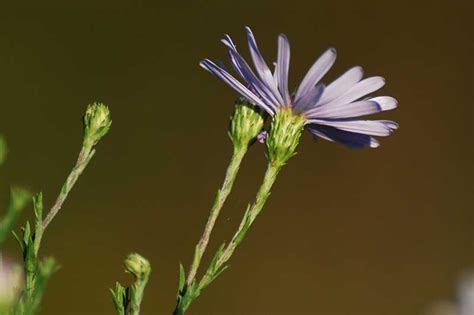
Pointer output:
x,y
330,112
327,112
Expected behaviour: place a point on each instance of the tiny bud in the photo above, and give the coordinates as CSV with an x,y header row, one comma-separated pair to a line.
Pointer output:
x,y
138,266
96,123
245,124
11,283
284,136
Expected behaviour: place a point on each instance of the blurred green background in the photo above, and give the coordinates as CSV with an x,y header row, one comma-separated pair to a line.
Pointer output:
x,y
384,231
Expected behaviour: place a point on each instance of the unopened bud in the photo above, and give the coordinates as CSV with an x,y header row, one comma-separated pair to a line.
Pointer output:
x,y
245,124
96,123
137,266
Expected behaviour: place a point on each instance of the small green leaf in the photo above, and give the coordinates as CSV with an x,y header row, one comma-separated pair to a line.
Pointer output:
x,y
243,227
119,298
197,256
19,240
212,265
182,278
219,272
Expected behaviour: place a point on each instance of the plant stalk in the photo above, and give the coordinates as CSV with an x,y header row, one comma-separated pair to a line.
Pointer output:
x,y
263,193
84,157
222,194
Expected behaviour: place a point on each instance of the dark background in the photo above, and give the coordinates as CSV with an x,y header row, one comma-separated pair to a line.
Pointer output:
x,y
374,231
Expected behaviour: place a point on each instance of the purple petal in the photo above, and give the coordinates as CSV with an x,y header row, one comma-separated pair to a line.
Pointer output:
x,y
316,72
257,85
234,83
282,67
368,127
227,40
342,84
359,90
243,69
385,102
260,65
350,139
275,74
355,109
310,99
262,136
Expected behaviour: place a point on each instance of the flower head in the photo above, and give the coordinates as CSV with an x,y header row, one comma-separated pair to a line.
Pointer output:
x,y
330,112
138,266
245,124
96,123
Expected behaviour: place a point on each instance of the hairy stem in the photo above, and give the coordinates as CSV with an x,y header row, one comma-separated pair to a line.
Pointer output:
x,y
249,217
84,157
222,194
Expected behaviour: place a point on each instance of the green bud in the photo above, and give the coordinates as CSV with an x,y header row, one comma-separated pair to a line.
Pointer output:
x,y
284,136
96,123
138,266
245,124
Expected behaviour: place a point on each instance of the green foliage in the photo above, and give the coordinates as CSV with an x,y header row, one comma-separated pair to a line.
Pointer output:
x,y
182,279
45,269
38,271
119,298
214,269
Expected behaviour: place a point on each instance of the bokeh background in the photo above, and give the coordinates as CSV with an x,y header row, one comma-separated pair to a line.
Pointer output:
x,y
374,231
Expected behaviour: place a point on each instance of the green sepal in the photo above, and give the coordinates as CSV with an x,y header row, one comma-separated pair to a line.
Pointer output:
x,y
245,124
96,123
284,136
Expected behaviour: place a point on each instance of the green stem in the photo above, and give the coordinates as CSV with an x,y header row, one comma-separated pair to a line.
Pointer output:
x,y
249,217
136,296
222,194
84,157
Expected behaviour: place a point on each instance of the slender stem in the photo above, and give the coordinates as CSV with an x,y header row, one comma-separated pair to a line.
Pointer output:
x,y
136,297
84,157
249,217
222,194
